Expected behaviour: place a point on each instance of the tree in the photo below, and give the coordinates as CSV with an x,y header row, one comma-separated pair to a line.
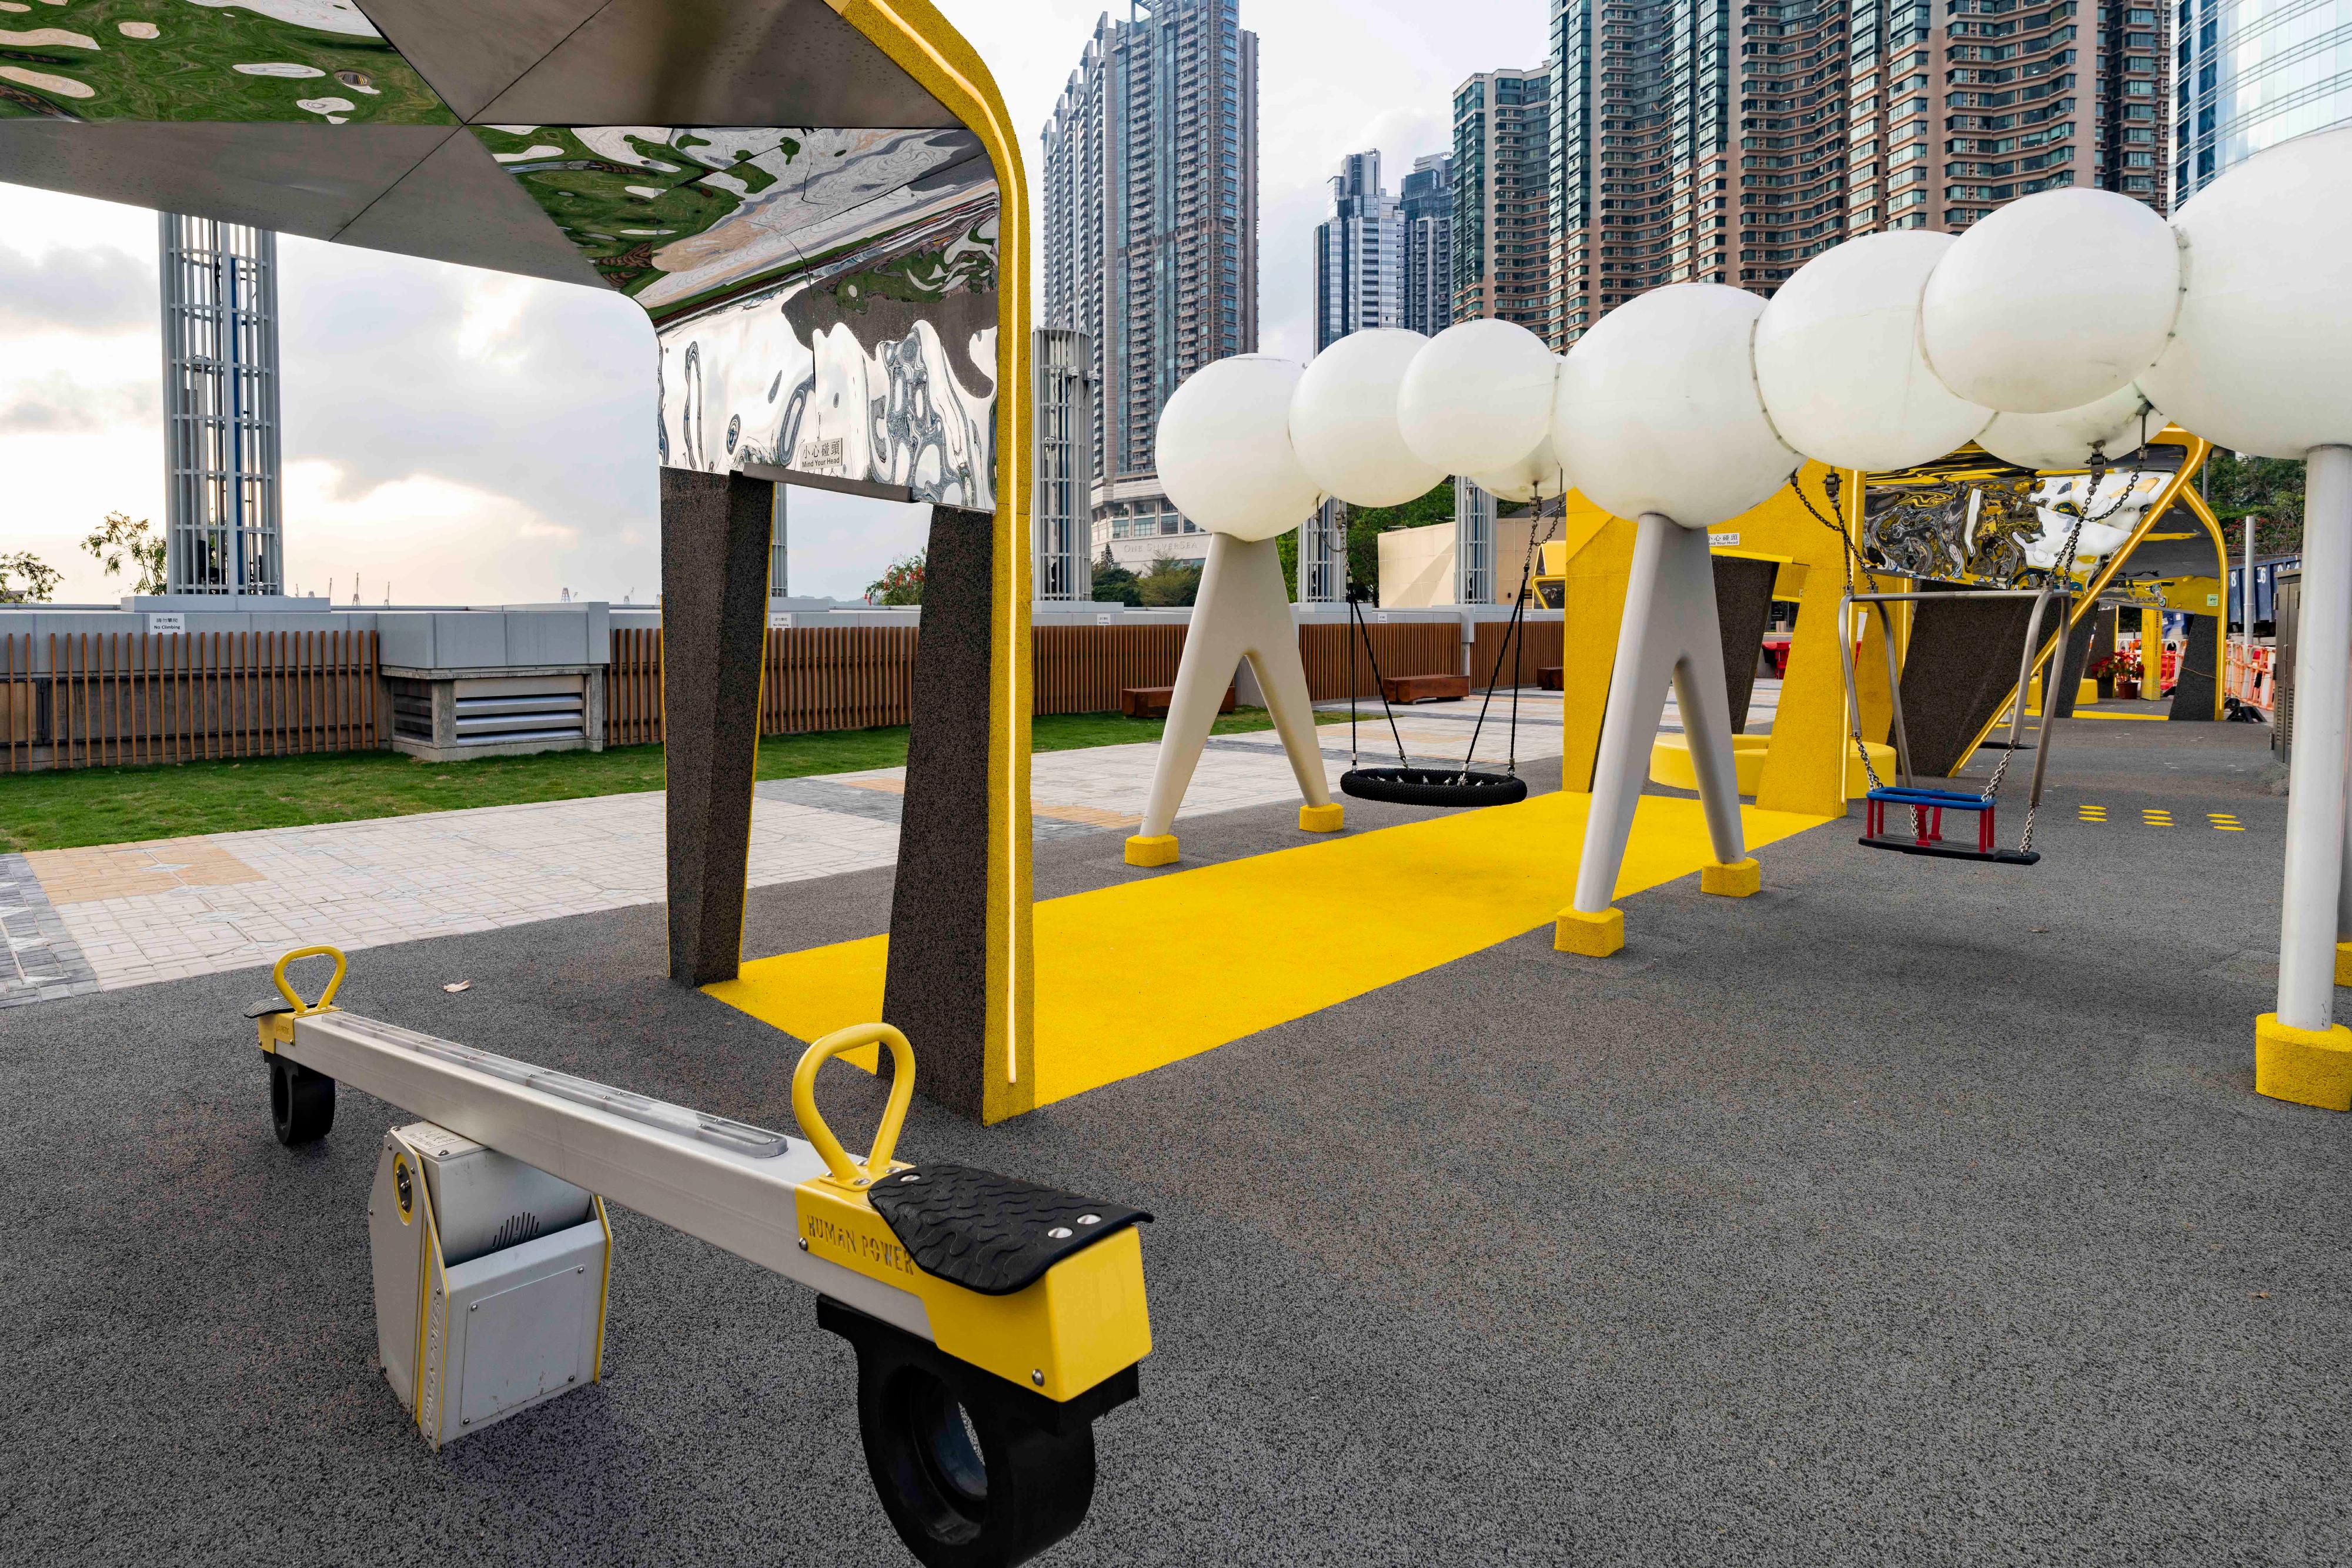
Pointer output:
x,y
2269,489
1365,526
1170,584
118,540
902,584
1114,584
40,580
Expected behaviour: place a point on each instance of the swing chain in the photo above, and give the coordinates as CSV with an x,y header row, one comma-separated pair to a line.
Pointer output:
x,y
1515,644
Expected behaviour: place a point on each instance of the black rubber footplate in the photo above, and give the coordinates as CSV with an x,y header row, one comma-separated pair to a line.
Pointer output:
x,y
987,1232
1952,852
1432,787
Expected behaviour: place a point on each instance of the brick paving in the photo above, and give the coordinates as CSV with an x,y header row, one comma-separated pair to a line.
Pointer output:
x,y
128,915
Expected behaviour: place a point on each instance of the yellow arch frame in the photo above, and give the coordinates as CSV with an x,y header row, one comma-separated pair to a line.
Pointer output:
x,y
928,47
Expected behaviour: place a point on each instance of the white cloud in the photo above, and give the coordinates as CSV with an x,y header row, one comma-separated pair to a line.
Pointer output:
x,y
490,331
423,538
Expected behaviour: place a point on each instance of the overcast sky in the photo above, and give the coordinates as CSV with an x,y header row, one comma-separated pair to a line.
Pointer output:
x,y
456,436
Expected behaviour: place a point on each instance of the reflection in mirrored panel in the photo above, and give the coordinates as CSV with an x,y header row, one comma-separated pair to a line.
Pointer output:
x,y
256,61
1974,519
826,300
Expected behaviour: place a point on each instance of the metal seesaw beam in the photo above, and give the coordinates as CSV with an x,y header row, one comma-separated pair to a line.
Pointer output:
x,y
724,1182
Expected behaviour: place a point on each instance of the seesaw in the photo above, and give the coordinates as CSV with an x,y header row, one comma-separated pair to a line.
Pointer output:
x,y
994,1321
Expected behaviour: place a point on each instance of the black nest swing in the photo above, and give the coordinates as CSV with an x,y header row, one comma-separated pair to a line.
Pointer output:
x,y
1454,789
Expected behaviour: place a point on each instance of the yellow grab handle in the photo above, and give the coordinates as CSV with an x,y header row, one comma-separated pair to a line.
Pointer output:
x,y
845,1170
326,997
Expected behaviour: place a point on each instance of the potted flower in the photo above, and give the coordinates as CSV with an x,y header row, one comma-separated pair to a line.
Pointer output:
x,y
2123,668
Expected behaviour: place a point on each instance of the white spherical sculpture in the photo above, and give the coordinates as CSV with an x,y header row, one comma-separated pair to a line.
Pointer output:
x,y
1478,399
1225,455
1658,410
1538,476
2053,301
1838,363
1343,420
2260,358
2071,438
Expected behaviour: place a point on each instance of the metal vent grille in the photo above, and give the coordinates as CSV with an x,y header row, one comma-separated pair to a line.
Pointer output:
x,y
520,1227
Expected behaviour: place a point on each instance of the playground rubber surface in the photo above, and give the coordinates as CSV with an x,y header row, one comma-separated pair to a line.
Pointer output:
x,y
1413,897
1904,1213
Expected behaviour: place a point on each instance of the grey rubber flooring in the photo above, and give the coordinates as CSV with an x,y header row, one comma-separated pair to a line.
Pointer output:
x,y
1906,1213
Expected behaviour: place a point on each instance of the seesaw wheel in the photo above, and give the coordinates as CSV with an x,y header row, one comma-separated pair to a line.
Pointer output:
x,y
972,1471
302,1102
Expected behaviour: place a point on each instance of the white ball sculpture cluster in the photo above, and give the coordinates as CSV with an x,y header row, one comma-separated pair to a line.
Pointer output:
x,y
2049,333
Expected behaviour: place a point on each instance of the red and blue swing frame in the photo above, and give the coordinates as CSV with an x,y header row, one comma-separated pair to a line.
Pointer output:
x,y
1928,806
1926,838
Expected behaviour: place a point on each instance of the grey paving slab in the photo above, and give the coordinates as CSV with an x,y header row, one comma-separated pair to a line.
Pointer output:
x,y
40,959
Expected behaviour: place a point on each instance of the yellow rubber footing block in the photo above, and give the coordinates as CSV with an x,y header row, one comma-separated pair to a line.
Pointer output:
x,y
1739,880
1594,936
1156,851
2344,963
1328,819
2308,1066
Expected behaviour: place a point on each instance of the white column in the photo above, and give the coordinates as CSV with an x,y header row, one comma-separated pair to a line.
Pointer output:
x,y
2316,773
1241,612
1671,631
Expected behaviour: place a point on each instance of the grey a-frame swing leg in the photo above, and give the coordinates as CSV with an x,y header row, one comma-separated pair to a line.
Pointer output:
x,y
1670,631
1242,612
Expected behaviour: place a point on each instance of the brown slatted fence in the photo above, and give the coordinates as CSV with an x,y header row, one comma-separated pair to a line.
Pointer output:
x,y
860,677
633,700
128,697
19,702
1401,648
1083,669
838,677
1540,643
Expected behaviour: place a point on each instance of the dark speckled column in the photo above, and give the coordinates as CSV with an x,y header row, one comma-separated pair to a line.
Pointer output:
x,y
2078,659
714,534
1960,671
1743,605
2193,698
938,985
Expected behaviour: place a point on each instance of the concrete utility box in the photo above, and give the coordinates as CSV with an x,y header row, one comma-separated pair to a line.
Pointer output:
x,y
490,1281
468,684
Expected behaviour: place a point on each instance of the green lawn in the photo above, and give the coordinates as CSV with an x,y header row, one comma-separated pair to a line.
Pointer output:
x,y
123,805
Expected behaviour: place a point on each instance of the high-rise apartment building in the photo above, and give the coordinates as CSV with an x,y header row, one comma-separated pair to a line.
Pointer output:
x,y
1426,206
1148,206
2253,73
1731,143
1358,254
1502,201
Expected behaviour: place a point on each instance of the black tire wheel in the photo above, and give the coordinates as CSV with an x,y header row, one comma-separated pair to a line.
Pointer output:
x,y
302,1102
968,1482
1447,786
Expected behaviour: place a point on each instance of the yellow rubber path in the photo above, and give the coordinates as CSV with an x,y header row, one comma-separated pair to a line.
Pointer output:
x,y
1135,976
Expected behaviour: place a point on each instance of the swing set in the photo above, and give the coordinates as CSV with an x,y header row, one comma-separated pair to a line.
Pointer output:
x,y
1450,788
1925,805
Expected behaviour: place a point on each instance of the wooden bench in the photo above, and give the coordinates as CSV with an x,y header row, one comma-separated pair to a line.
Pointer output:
x,y
1151,701
1552,678
1411,689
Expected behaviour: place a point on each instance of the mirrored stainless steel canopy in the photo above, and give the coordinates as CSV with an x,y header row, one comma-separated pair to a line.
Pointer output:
x,y
825,293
